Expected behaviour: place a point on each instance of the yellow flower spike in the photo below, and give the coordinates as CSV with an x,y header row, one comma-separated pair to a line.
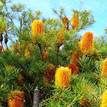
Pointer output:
x,y
104,99
60,37
104,68
37,28
75,20
62,77
87,43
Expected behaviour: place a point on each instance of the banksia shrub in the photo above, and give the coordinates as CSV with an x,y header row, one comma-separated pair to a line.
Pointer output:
x,y
104,68
104,99
16,99
60,37
62,77
37,28
75,21
87,43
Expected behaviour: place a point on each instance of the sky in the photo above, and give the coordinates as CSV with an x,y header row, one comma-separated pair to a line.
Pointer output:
x,y
98,9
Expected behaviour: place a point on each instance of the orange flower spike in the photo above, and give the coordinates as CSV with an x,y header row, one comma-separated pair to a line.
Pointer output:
x,y
11,103
75,57
37,28
62,77
104,99
75,20
74,68
87,43
16,99
104,68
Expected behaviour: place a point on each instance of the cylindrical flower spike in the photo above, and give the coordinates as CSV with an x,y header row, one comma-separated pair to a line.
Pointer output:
x,y
16,99
49,74
62,77
65,22
75,57
87,43
75,21
74,68
60,37
104,99
37,28
104,68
